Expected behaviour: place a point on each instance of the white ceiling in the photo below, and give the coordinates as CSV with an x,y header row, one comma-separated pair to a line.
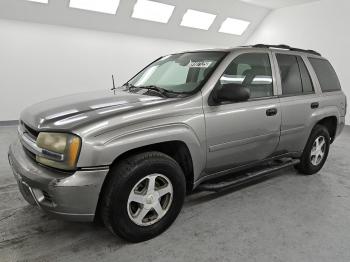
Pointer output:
x,y
274,4
57,12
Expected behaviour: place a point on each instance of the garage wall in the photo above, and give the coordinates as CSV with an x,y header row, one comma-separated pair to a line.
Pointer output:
x,y
322,26
39,61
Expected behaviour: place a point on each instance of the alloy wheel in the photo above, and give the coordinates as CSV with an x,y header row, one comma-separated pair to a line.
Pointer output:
x,y
150,199
318,150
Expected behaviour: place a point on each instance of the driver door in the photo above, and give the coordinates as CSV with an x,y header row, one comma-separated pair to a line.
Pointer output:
x,y
242,132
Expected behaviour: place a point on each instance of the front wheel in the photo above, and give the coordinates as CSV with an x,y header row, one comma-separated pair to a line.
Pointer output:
x,y
316,151
143,197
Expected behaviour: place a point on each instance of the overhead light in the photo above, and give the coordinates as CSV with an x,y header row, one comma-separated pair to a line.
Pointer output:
x,y
197,19
152,11
234,26
40,1
103,6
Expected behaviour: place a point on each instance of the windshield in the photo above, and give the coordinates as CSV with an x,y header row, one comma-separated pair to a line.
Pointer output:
x,y
179,73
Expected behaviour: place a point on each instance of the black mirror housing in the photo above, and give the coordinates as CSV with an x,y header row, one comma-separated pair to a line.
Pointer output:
x,y
232,93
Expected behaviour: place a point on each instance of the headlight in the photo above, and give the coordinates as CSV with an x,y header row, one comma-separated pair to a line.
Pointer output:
x,y
66,145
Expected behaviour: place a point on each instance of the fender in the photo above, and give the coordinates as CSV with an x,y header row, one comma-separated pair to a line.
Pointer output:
x,y
318,115
323,113
105,153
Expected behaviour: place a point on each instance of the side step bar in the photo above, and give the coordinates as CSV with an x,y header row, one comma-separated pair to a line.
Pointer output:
x,y
248,177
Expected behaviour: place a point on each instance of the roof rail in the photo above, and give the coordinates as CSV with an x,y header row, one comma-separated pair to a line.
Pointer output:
x,y
287,47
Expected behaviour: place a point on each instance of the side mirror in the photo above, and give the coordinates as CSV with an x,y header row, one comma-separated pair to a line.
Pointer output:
x,y
232,93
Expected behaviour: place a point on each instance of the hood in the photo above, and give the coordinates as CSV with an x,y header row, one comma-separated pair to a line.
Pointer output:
x,y
65,113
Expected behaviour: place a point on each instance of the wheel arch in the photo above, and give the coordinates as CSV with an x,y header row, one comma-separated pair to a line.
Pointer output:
x,y
328,116
331,123
176,149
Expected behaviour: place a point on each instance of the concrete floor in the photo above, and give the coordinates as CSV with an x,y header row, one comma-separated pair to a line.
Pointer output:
x,y
289,217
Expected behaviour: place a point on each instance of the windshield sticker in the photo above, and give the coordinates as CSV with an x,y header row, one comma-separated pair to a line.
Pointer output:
x,y
200,64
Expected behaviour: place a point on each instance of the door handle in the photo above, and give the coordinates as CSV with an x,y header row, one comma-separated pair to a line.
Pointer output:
x,y
271,111
315,105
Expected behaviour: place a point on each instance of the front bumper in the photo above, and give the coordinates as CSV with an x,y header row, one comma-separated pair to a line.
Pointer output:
x,y
71,197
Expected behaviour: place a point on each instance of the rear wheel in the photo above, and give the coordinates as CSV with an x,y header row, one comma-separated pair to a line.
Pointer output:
x,y
316,151
143,197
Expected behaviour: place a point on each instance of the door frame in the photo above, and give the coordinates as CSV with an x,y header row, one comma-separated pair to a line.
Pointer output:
x,y
209,88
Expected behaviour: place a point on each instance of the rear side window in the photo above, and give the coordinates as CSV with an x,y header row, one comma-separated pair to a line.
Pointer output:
x,y
295,78
290,74
326,75
305,77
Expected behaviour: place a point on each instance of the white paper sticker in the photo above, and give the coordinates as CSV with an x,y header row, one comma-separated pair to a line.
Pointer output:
x,y
200,64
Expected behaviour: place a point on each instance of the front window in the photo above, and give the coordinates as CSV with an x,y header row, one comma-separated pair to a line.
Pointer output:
x,y
183,73
253,71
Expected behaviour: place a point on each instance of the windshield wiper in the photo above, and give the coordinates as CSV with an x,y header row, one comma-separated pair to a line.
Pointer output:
x,y
158,89
163,92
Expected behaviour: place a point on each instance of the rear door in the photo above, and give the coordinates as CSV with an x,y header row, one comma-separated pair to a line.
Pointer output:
x,y
298,101
243,132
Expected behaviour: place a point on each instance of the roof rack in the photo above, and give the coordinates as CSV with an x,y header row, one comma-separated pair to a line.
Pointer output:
x,y
287,47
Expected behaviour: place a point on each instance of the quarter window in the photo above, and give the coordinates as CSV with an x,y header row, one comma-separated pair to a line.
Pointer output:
x,y
326,75
253,71
295,78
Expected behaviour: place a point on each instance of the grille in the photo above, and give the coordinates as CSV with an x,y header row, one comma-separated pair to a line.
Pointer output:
x,y
30,154
33,133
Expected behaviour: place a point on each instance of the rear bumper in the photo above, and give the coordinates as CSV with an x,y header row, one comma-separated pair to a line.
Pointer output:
x,y
341,125
71,197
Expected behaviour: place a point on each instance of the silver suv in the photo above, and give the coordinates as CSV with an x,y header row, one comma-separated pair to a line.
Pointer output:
x,y
129,155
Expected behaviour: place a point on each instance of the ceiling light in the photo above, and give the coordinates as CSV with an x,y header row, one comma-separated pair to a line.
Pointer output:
x,y
197,19
152,11
103,6
234,26
40,1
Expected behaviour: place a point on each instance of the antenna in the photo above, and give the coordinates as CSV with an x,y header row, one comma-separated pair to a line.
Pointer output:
x,y
113,84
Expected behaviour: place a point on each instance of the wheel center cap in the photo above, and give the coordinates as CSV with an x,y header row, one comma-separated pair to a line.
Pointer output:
x,y
150,199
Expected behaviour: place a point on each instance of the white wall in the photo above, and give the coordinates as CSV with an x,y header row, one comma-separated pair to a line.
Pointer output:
x,y
323,26
42,61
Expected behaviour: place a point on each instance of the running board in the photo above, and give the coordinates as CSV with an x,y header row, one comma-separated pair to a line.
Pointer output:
x,y
248,177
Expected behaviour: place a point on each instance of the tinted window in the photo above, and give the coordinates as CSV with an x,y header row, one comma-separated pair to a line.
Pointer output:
x,y
326,75
252,71
290,74
295,77
305,77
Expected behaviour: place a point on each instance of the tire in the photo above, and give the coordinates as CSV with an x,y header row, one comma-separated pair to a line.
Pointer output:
x,y
131,179
312,160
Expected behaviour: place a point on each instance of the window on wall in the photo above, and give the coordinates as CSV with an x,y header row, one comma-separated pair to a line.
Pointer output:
x,y
253,71
295,78
326,75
